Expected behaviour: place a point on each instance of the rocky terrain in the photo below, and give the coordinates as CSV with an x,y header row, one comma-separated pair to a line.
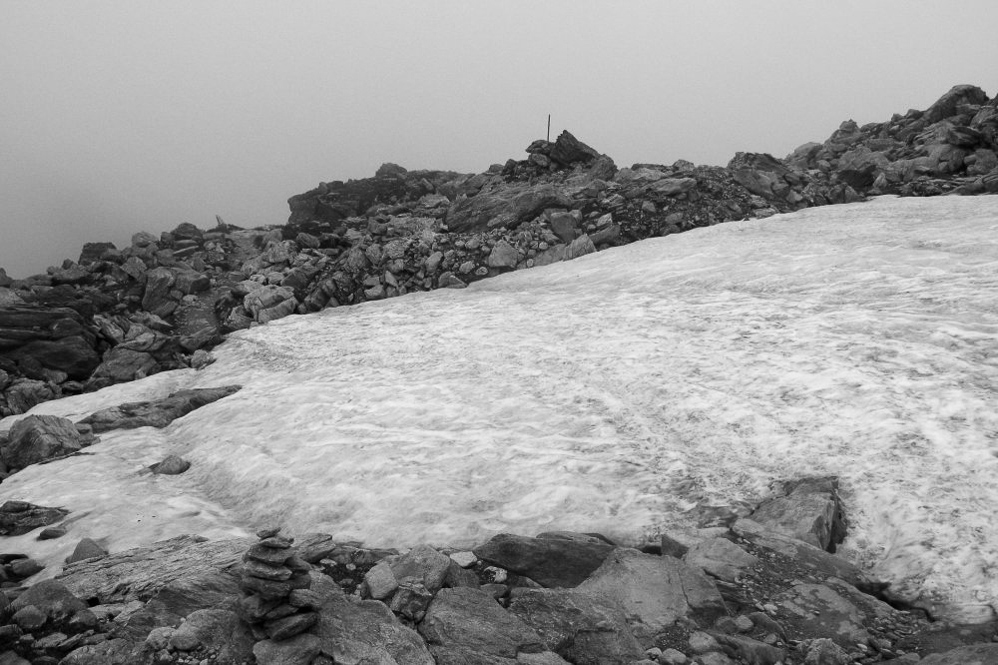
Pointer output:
x,y
119,314
761,587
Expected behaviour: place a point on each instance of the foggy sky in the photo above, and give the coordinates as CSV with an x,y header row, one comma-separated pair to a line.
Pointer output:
x,y
117,117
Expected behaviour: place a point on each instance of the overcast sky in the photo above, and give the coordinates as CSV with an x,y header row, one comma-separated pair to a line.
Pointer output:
x,y
117,117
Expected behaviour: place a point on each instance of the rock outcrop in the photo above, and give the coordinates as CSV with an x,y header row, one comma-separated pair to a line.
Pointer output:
x,y
747,593
118,315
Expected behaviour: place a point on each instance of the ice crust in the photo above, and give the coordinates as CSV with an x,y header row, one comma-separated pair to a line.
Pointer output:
x,y
613,393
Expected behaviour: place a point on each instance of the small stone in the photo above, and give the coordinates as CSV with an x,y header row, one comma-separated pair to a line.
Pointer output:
x,y
24,567
282,629
464,559
171,465
496,574
266,571
298,565
277,542
305,598
159,637
253,608
381,581
279,612
51,533
743,623
673,657
271,555
701,642
182,640
267,589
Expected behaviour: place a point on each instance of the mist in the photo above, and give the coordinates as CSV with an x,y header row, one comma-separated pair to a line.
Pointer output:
x,y
117,117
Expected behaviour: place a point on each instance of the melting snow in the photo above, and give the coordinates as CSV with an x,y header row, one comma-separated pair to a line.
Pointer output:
x,y
613,393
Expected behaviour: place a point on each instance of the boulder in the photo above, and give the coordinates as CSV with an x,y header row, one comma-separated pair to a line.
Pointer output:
x,y
503,255
549,562
171,465
35,439
156,414
947,105
86,549
72,355
808,510
123,364
568,150
363,631
834,610
654,591
720,558
579,627
175,576
270,302
156,298
461,624
216,630
53,598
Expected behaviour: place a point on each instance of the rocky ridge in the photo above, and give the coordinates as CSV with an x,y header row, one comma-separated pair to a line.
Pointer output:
x,y
760,589
115,315
750,586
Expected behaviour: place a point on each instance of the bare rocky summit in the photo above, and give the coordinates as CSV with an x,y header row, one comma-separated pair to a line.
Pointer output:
x,y
760,586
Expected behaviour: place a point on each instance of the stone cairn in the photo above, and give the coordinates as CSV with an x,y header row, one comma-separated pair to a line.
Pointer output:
x,y
278,603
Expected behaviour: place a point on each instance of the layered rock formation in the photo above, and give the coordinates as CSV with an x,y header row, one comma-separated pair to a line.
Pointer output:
x,y
117,315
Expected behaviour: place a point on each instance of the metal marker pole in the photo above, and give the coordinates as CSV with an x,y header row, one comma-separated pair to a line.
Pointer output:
x,y
549,127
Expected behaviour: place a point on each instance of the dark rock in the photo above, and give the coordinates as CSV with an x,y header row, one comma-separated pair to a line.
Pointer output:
x,y
22,568
947,105
52,533
53,598
86,549
20,517
549,562
569,150
36,439
156,414
171,465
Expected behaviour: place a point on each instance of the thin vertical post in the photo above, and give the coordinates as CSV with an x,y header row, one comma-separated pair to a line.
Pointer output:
x,y
549,128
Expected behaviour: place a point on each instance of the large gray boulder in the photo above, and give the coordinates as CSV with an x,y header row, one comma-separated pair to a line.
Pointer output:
x,y
461,624
808,509
36,439
654,591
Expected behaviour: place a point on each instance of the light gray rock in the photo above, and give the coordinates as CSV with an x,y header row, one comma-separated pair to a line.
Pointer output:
x,y
720,558
471,620
654,591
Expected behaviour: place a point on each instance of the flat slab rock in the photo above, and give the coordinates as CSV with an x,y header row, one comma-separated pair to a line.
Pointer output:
x,y
186,572
156,414
551,562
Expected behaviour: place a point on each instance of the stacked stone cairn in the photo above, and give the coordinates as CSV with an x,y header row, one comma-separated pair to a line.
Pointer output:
x,y
278,603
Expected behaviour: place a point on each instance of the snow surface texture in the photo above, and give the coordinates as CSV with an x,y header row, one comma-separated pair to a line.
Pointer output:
x,y
615,393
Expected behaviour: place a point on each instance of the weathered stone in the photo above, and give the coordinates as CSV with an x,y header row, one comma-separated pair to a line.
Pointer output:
x,y
720,558
86,549
654,591
381,581
424,564
809,511
181,574
579,247
20,517
568,150
289,626
156,414
503,255
835,610
171,465
364,631
39,438
472,619
549,562
579,627
298,650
